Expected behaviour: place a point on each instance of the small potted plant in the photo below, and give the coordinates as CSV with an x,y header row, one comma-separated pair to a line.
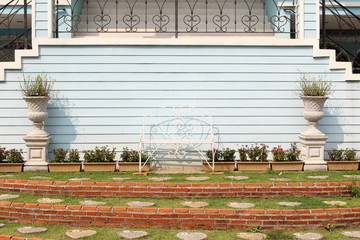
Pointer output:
x,y
100,160
60,165
130,161
253,159
14,160
224,160
342,160
288,160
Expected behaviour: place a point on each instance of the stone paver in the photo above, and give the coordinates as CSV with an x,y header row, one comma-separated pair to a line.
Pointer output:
x,y
8,196
140,204
251,236
91,203
78,179
7,175
237,177
240,205
191,235
40,177
195,204
318,177
132,234
279,179
49,200
160,179
28,230
289,204
120,178
334,203
351,176
75,234
352,234
197,178
308,236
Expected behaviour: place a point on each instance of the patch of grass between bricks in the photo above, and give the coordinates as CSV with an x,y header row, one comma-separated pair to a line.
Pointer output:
x,y
181,178
306,202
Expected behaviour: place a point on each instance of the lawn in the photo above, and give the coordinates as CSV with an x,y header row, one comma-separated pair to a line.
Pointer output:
x,y
181,177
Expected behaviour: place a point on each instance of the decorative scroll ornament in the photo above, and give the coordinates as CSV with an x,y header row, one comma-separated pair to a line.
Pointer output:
x,y
250,20
102,20
279,21
131,20
191,20
161,20
72,21
221,20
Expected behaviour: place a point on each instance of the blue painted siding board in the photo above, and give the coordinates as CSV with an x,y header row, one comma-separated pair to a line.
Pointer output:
x,y
103,92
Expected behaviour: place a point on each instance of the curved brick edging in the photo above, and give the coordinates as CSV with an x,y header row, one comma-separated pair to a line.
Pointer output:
x,y
177,190
179,218
10,237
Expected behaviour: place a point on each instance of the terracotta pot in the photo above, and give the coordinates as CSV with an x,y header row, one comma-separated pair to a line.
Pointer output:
x,y
253,166
64,167
220,166
100,167
342,165
132,167
287,166
11,167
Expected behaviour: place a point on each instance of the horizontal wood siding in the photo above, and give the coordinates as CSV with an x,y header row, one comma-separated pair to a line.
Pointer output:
x,y
310,19
41,18
103,92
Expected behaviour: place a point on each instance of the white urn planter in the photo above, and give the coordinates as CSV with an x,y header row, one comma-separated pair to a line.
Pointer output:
x,y
37,113
37,140
313,140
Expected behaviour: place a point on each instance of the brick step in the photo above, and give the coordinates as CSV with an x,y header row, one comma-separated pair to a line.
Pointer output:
x,y
176,190
11,237
179,218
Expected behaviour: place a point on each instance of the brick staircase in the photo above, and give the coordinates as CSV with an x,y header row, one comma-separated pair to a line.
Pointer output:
x,y
177,218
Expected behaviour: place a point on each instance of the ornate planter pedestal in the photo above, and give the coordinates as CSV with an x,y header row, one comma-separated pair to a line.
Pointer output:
x,y
37,140
313,140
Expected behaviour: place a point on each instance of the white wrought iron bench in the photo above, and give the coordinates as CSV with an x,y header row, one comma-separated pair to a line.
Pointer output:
x,y
180,127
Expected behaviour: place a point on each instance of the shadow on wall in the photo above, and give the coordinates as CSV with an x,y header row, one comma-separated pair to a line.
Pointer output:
x,y
60,124
331,125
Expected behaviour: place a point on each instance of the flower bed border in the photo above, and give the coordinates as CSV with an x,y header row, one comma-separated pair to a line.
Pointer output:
x,y
176,190
179,218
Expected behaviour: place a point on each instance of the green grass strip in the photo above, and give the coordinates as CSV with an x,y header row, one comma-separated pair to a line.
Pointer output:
x,y
181,178
306,202
106,233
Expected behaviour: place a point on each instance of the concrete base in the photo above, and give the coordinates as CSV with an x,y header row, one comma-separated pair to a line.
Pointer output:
x,y
37,153
312,149
315,167
35,168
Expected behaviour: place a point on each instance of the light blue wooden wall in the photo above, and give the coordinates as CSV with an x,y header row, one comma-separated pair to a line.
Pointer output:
x,y
41,18
103,92
310,19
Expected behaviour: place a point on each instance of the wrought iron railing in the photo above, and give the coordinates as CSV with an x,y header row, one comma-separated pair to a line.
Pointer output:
x,y
173,16
7,49
340,30
11,39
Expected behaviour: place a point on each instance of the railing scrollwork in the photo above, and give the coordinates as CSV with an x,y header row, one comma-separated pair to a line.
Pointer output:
x,y
174,16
